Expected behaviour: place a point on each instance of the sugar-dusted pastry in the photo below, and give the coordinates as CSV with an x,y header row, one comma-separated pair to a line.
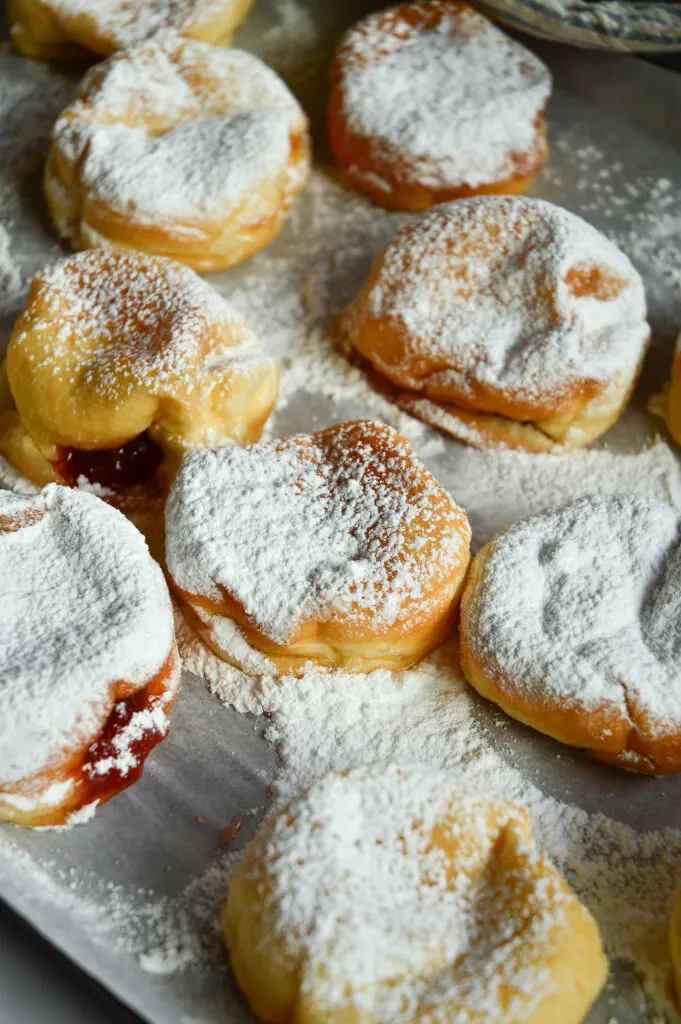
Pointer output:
x,y
430,101
507,322
337,548
49,29
396,894
675,942
119,364
178,148
88,662
570,622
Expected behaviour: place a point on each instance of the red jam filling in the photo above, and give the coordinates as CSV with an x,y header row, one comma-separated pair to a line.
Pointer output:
x,y
114,468
116,758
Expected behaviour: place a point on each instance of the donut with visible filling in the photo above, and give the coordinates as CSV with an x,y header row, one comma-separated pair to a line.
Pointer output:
x,y
570,622
118,364
88,660
506,322
398,894
177,148
430,101
337,548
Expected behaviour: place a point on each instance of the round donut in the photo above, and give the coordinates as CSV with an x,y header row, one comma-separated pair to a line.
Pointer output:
x,y
88,661
430,102
570,622
397,894
177,148
337,548
60,29
504,321
118,364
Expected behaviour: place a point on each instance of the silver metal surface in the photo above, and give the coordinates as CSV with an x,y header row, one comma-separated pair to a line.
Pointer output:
x,y
623,112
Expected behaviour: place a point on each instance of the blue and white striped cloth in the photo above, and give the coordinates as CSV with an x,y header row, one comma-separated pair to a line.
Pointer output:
x,y
603,24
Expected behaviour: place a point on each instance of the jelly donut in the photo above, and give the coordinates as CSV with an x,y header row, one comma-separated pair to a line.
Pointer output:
x,y
398,894
430,102
118,364
178,148
570,622
88,662
49,29
337,548
507,322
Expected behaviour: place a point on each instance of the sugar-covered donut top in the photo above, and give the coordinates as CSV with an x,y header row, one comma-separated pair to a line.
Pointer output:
x,y
441,92
504,294
395,888
176,129
127,22
581,606
84,610
343,525
106,338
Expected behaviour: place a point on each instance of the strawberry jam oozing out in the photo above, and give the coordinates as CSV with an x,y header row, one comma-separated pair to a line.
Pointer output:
x,y
114,468
116,758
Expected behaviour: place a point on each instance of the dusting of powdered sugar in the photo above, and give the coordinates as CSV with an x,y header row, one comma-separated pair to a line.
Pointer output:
x,y
343,526
445,98
579,606
127,22
96,318
406,922
180,130
84,607
506,294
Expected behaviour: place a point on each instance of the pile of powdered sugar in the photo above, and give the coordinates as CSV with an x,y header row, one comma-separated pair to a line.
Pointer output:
x,y
445,98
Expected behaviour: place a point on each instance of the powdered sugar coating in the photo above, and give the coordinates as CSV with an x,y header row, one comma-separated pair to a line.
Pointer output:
x,y
177,130
358,887
121,322
580,605
127,22
84,606
443,95
504,294
346,524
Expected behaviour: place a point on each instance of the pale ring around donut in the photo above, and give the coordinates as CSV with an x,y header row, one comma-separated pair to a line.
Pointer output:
x,y
397,894
179,149
64,29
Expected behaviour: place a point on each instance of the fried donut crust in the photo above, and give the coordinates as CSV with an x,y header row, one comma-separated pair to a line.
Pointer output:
x,y
351,637
605,733
47,30
369,165
113,346
285,977
241,119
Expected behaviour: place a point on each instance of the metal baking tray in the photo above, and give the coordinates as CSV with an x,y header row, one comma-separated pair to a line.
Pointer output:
x,y
101,891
